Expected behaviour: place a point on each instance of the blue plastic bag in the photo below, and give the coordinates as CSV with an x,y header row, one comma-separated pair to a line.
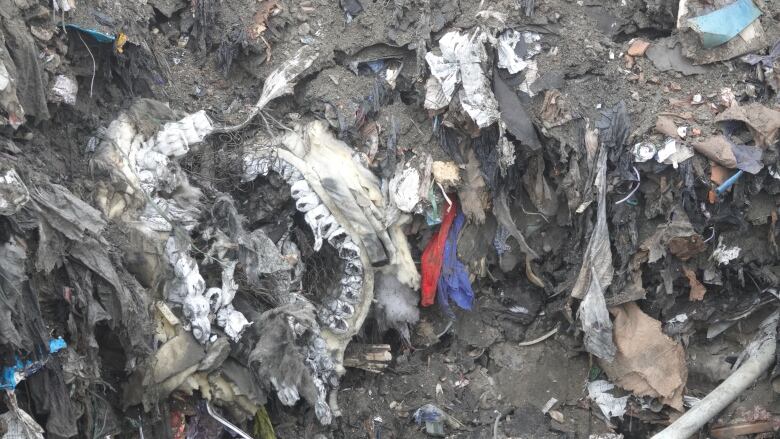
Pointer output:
x,y
12,375
454,281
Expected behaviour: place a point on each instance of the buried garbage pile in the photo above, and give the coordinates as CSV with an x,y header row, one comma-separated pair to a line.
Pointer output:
x,y
389,219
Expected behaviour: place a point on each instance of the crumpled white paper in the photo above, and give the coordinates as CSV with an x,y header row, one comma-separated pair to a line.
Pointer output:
x,y
610,406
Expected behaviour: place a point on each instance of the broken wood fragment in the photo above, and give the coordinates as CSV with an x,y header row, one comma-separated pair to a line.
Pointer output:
x,y
369,357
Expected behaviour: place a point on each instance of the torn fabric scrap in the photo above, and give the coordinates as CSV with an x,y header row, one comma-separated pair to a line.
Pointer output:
x,y
433,257
454,283
598,255
596,324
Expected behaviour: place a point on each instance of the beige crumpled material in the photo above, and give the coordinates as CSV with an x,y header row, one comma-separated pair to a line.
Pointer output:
x,y
648,362
763,122
717,149
474,196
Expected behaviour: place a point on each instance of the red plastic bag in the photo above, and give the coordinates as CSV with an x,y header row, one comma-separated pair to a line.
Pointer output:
x,y
433,257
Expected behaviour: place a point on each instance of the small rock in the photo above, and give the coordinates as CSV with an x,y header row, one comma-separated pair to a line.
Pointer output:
x,y
697,99
696,132
675,86
727,97
51,61
638,47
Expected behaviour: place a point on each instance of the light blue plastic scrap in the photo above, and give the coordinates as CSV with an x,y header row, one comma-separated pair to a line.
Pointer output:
x,y
57,344
720,26
11,375
100,37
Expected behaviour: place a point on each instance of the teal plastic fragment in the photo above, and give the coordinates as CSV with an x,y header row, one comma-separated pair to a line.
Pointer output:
x,y
720,26
11,375
100,37
57,344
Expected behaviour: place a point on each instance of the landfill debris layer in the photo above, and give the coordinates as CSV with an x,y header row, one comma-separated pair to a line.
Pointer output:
x,y
389,219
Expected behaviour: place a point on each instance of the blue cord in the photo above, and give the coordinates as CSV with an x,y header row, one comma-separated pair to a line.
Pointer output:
x,y
728,183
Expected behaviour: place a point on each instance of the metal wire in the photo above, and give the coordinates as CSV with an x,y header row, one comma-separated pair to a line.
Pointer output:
x,y
633,191
229,425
